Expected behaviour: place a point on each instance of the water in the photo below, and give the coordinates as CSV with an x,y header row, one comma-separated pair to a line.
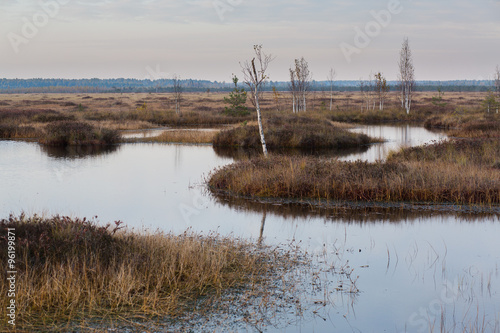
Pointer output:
x,y
396,137
412,266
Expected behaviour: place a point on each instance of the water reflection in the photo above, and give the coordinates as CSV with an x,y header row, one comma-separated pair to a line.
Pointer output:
x,y
147,133
352,214
396,137
78,152
403,258
262,224
238,153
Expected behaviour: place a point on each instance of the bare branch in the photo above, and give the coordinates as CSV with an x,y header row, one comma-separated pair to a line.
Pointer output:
x,y
406,75
255,76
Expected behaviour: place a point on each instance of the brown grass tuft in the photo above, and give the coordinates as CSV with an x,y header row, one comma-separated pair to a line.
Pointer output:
x,y
70,270
292,132
184,136
393,181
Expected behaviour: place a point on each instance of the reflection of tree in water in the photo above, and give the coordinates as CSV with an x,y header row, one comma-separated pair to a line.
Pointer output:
x,y
78,152
355,213
239,153
262,224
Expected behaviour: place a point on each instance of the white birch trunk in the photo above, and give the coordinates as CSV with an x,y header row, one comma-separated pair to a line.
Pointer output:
x,y
259,120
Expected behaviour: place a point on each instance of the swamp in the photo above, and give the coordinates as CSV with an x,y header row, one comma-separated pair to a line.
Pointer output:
x,y
394,229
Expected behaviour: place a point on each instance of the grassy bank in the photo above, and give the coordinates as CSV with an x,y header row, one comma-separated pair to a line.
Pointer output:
x,y
74,133
11,131
292,132
459,172
182,136
72,270
142,110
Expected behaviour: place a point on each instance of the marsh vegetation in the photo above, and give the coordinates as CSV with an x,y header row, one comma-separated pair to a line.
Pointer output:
x,y
75,271
168,278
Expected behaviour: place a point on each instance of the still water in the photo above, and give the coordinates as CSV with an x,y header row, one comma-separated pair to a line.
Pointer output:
x,y
415,269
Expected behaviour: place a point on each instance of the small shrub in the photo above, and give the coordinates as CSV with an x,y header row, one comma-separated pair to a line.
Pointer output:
x,y
236,100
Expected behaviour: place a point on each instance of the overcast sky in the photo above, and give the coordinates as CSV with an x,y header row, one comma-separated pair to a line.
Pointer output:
x,y
206,39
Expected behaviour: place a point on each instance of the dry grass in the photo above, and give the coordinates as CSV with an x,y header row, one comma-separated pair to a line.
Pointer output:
x,y
138,111
316,178
184,136
71,271
292,131
75,133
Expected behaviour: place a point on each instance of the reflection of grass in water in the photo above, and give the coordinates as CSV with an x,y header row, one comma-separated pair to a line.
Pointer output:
x,y
73,272
309,290
352,212
76,152
239,153
462,300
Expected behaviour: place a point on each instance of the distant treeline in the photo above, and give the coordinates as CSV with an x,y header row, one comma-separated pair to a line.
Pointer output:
x,y
166,85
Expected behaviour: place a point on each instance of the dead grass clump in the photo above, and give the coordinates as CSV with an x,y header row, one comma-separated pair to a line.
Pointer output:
x,y
68,133
374,116
316,178
70,270
11,131
472,151
184,136
292,132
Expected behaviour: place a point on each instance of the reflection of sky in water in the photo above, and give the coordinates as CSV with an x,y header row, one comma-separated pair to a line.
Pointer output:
x,y
396,136
158,186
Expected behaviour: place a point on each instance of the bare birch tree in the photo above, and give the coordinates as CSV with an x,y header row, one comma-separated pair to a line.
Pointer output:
x,y
293,90
367,89
331,81
177,89
255,76
381,89
300,81
406,76
497,81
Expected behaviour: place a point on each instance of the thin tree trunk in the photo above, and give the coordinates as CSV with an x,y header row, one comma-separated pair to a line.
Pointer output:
x,y
262,224
259,120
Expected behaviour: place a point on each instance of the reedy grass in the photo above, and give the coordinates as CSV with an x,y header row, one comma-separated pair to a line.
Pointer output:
x,y
292,131
71,271
476,152
8,131
71,133
183,136
316,178
139,111
463,171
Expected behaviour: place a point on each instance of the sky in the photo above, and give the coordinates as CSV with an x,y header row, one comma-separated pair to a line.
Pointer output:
x,y
207,39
